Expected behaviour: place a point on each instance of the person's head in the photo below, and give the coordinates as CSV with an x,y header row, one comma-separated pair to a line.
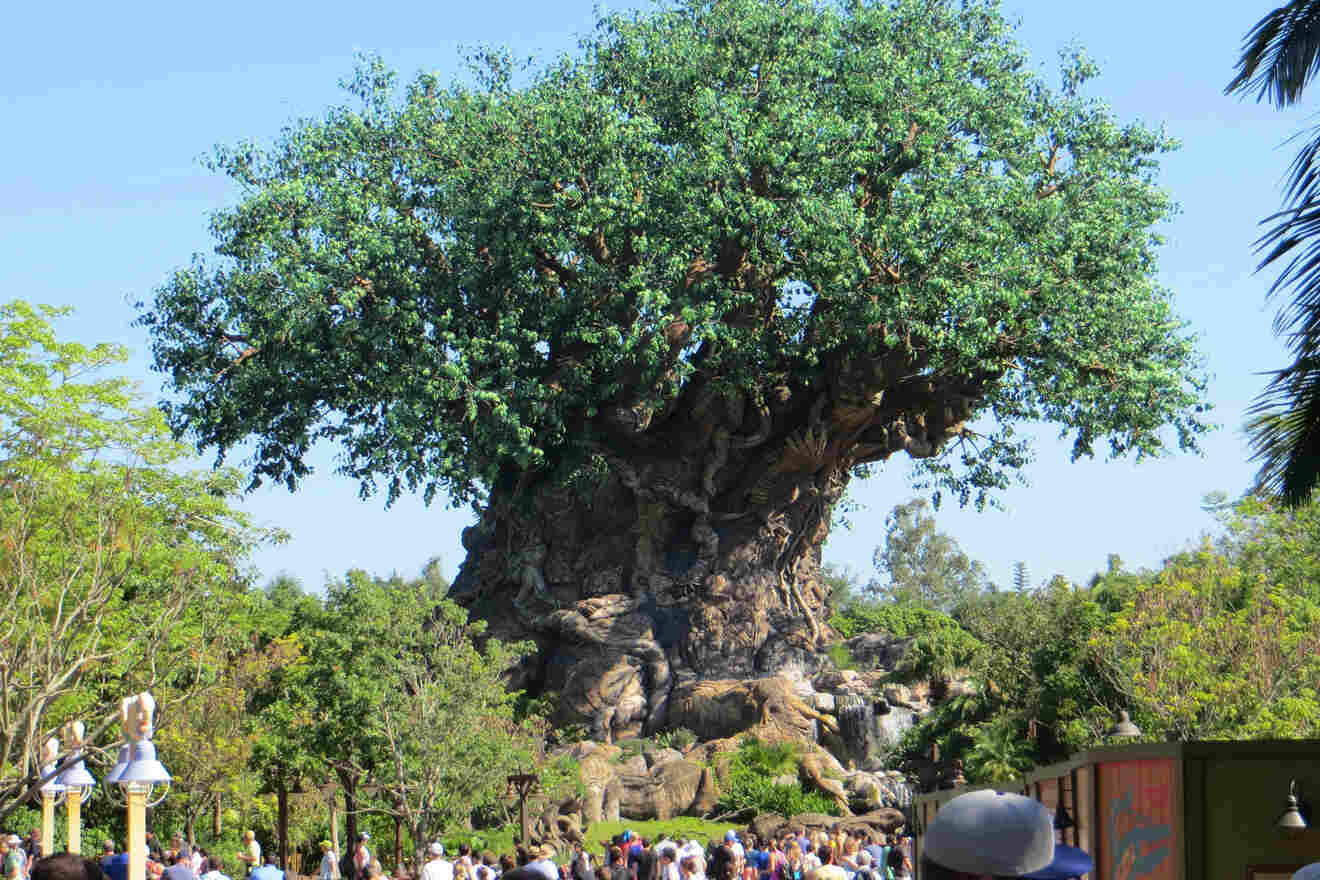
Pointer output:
x,y
461,871
794,851
66,866
465,850
217,864
826,854
363,837
270,857
616,855
488,859
108,847
688,865
1002,835
507,863
646,843
436,850
246,837
666,856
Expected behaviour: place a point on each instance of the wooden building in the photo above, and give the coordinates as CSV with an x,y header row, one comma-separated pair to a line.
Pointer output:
x,y
1175,811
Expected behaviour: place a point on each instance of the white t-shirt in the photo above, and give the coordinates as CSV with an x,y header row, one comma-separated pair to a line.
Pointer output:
x,y
438,869
546,868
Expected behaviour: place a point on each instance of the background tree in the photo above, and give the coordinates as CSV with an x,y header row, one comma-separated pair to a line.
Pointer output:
x,y
1280,56
1224,641
922,565
652,308
106,543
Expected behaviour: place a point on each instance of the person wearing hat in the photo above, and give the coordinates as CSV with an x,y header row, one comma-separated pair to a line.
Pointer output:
x,y
993,834
543,862
329,861
362,855
437,867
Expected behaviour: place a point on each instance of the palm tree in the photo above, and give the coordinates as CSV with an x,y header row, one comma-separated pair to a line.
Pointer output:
x,y
1280,56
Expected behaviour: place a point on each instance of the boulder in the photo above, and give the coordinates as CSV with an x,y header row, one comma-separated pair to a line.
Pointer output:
x,y
661,756
708,794
865,791
668,791
886,820
839,680
766,825
878,650
610,805
813,821
634,765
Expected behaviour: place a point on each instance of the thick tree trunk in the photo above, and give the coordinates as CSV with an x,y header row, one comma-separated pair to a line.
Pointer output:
x,y
348,782
692,552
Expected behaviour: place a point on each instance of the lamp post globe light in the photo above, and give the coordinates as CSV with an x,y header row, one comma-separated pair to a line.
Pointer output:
x,y
77,784
143,779
52,794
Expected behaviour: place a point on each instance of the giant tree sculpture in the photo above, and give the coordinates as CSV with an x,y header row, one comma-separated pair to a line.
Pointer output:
x,y
651,310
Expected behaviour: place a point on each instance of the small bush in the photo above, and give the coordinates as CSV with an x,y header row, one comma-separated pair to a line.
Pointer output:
x,y
749,782
679,738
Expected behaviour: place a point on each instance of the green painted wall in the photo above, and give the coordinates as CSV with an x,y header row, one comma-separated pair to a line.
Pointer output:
x,y
1242,800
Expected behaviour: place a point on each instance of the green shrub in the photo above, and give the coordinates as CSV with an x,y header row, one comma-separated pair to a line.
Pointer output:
x,y
939,644
679,738
749,782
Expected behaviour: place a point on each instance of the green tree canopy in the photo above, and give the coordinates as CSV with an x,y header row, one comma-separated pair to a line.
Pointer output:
x,y
922,565
106,545
878,201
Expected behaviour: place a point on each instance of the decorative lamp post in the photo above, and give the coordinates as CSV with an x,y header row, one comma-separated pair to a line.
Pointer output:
x,y
112,791
52,794
140,777
77,783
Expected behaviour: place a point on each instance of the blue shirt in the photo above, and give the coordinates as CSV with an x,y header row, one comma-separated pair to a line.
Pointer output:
x,y
267,872
115,867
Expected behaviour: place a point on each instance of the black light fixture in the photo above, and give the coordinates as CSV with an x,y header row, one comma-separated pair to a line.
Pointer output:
x,y
1297,814
1124,728
1062,819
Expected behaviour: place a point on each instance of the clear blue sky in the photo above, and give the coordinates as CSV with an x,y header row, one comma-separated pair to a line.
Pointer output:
x,y
107,109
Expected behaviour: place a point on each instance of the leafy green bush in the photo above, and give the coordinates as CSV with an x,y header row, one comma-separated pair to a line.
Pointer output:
x,y
679,738
749,782
939,645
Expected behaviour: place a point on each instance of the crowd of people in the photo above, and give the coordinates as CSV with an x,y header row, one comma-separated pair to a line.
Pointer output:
x,y
820,856
982,834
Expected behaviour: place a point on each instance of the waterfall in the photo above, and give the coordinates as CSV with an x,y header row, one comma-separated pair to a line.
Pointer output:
x,y
892,723
856,725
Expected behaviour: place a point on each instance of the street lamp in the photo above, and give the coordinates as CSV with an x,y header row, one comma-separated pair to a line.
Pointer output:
x,y
1123,728
77,784
140,777
52,794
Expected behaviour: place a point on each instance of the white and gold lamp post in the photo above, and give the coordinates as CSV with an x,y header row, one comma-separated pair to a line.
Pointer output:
x,y
52,794
143,779
77,784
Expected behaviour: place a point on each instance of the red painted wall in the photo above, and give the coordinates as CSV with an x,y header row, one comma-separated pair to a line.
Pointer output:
x,y
1137,821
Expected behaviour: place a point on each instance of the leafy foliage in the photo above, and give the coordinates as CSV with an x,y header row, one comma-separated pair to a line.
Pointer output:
x,y
923,565
486,280
106,544
1279,59
749,782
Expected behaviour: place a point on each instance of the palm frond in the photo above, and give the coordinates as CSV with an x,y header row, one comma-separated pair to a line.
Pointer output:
x,y
1284,430
1281,54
